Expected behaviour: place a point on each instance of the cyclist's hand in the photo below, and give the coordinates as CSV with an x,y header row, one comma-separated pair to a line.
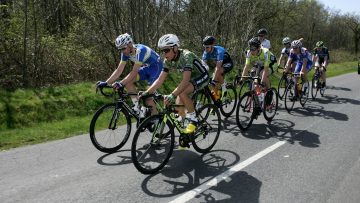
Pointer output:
x,y
169,99
302,73
118,86
101,84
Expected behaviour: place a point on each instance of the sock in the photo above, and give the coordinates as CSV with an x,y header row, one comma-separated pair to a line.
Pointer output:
x,y
192,116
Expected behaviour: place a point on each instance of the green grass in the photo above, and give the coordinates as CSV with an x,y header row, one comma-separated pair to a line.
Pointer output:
x,y
73,120
44,132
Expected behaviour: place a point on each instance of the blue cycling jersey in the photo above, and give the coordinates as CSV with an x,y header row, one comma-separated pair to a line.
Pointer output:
x,y
304,54
217,54
150,61
143,56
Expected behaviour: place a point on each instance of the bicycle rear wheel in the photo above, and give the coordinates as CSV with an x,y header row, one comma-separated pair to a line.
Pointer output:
x,y
270,104
228,101
289,97
304,93
245,111
151,148
208,130
282,86
110,128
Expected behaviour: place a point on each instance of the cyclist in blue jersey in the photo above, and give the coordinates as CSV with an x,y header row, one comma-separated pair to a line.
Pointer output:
x,y
217,57
147,66
321,60
303,61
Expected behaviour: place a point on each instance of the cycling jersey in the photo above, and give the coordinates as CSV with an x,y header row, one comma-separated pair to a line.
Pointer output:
x,y
150,61
266,44
285,51
188,61
218,54
261,59
304,54
321,54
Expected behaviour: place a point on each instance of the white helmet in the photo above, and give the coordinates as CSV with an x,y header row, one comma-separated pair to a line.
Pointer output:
x,y
286,40
296,44
123,40
168,40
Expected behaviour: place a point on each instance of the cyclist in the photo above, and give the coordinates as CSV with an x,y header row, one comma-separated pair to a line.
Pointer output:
x,y
147,65
262,34
217,57
285,52
321,59
259,57
303,62
194,72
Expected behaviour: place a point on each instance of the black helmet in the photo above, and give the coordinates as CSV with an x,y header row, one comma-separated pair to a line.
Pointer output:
x,y
254,42
262,31
209,40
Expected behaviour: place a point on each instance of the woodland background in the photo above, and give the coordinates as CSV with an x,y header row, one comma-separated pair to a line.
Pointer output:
x,y
54,42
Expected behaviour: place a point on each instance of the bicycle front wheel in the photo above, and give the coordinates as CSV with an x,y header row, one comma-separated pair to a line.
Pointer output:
x,y
245,111
245,87
110,128
208,130
305,93
282,86
152,145
289,97
200,99
228,101
315,85
270,104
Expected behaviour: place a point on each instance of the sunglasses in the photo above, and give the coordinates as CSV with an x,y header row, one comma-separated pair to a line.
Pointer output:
x,y
261,35
207,46
166,50
287,44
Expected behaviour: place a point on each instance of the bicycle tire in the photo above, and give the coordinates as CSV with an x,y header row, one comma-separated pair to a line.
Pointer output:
x,y
289,93
148,141
109,140
228,101
304,93
245,87
245,105
314,86
282,86
270,108
200,98
208,129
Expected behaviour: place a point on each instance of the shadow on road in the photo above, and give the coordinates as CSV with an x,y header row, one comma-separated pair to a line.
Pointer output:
x,y
116,158
179,177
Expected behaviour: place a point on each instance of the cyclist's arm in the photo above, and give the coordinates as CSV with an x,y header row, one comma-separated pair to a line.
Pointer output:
x,y
326,62
132,74
185,82
281,59
117,73
245,70
288,64
158,82
217,68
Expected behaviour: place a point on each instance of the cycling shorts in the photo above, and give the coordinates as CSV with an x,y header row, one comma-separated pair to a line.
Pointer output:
x,y
299,66
150,73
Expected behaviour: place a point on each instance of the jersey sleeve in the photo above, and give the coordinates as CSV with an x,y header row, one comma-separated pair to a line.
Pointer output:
x,y
123,58
220,54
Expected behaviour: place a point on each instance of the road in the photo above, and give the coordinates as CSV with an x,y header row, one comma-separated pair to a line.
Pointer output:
x,y
311,155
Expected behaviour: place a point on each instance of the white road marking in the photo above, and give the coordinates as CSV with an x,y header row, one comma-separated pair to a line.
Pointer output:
x,y
226,175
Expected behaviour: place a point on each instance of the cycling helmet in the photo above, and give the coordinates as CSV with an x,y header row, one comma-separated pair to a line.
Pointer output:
x,y
319,44
254,42
286,40
209,40
123,40
296,44
262,31
168,40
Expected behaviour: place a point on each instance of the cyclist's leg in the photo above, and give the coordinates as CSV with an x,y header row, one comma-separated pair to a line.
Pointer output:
x,y
297,70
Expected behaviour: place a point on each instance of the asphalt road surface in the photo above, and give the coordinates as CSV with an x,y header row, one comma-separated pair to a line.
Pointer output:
x,y
310,155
